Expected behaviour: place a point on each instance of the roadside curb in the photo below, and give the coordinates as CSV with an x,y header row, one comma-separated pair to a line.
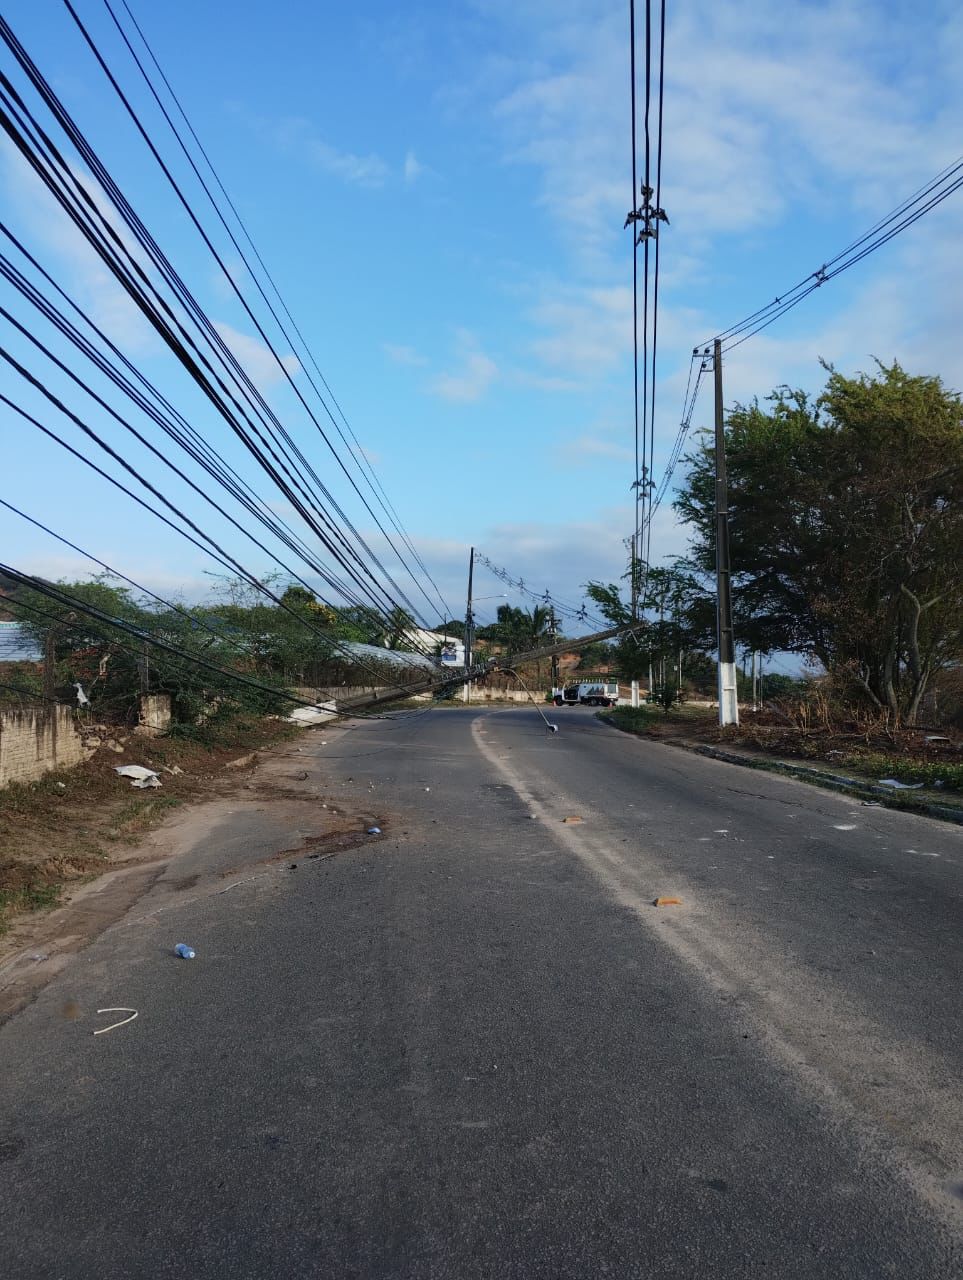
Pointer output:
x,y
817,777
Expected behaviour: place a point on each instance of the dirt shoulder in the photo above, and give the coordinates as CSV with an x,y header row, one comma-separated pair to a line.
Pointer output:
x,y
76,824
235,819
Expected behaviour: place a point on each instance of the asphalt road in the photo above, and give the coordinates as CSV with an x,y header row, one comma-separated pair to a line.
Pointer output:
x,y
475,1048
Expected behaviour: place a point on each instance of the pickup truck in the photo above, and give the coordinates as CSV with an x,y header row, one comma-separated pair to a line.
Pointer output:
x,y
594,694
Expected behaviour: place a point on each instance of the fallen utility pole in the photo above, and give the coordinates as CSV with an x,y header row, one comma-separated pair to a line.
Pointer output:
x,y
481,669
728,689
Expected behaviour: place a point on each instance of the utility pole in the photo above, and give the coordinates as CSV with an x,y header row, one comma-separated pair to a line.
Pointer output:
x,y
728,690
49,662
553,628
755,680
469,625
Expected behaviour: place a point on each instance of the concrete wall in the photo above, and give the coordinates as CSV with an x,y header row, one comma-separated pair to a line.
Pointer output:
x,y
36,741
481,693
155,714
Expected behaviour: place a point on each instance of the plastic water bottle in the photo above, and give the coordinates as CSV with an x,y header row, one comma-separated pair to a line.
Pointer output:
x,y
184,951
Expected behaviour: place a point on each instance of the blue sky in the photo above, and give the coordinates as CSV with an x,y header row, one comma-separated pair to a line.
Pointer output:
x,y
439,191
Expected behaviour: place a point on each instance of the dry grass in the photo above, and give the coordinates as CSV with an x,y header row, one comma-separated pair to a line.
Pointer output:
x,y
865,746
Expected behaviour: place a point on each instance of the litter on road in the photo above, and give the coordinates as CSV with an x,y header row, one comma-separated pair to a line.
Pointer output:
x,y
184,951
668,902
114,1025
140,776
900,786
572,821
374,831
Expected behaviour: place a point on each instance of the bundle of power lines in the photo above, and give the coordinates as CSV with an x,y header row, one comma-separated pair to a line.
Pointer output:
x,y
59,345
928,197
646,218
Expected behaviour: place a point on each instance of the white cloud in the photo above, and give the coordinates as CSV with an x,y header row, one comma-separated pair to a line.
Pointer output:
x,y
256,359
398,353
88,280
807,105
586,330
154,574
472,376
778,119
297,135
413,170
589,446
558,557
224,281
543,382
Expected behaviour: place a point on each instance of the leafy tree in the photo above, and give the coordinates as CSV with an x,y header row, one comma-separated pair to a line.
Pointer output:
x,y
517,630
846,523
673,605
454,627
593,656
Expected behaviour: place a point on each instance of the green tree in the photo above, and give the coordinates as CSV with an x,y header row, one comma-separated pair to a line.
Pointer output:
x,y
673,605
846,523
517,630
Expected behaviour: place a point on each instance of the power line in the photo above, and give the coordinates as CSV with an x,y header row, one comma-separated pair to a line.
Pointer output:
x,y
216,554
71,332
333,642
646,221
190,356
573,612
928,197
285,371
58,596
655,292
357,452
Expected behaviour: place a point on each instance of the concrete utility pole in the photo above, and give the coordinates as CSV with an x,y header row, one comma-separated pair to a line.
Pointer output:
x,y
49,662
553,631
469,625
755,680
728,689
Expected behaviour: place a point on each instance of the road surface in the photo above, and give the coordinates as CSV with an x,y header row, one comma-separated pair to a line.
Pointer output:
x,y
473,1047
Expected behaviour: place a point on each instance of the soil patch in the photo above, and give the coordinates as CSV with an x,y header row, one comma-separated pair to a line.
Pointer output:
x,y
75,824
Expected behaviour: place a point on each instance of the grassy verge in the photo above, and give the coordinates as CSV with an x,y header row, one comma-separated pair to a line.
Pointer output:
x,y
942,775
654,720
908,759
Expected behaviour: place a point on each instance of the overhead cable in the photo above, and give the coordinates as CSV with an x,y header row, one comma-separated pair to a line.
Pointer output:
x,y
135,282
355,448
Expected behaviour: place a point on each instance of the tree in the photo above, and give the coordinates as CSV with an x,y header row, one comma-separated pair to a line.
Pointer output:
x,y
846,522
516,630
673,609
454,627
595,655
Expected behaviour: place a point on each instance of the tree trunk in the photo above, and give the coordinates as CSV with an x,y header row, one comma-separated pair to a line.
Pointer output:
x,y
888,690
919,670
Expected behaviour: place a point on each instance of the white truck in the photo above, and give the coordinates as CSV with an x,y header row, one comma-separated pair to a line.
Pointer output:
x,y
595,693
